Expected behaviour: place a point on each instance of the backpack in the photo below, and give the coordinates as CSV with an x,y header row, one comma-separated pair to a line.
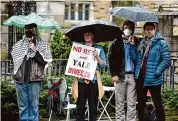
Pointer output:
x,y
150,113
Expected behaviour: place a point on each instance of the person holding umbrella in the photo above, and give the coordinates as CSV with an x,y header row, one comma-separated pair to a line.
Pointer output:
x,y
152,57
88,89
122,71
30,55
91,32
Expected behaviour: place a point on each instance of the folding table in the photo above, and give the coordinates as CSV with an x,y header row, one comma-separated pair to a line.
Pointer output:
x,y
106,88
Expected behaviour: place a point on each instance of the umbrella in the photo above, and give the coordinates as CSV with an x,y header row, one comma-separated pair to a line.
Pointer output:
x,y
135,14
103,31
42,23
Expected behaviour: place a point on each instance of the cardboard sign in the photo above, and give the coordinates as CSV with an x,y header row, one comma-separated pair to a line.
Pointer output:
x,y
81,62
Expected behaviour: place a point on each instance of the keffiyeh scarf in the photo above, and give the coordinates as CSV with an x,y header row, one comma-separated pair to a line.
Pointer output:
x,y
21,48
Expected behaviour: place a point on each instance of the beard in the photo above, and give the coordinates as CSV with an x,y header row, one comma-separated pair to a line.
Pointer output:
x,y
29,34
149,36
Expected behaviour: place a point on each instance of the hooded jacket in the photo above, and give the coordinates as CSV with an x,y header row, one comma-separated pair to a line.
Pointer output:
x,y
158,61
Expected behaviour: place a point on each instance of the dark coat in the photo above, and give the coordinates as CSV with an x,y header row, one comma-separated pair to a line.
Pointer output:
x,y
116,58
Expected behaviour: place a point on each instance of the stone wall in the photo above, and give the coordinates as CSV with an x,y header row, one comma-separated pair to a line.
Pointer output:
x,y
166,29
51,9
174,55
165,26
101,9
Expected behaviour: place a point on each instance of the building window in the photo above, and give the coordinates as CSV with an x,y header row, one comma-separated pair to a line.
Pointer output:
x,y
175,26
87,8
80,12
66,12
72,12
77,11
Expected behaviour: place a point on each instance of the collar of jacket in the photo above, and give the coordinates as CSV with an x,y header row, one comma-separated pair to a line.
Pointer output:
x,y
157,38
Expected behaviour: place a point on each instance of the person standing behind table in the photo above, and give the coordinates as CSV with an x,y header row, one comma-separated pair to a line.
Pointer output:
x,y
30,56
122,71
89,89
152,57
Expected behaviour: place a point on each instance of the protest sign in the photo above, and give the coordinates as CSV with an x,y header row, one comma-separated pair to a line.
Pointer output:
x,y
81,62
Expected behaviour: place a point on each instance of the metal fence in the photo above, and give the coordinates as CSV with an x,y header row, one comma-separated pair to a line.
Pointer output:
x,y
6,69
170,77
58,66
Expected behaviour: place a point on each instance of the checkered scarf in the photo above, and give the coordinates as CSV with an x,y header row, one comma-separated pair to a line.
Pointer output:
x,y
20,49
145,43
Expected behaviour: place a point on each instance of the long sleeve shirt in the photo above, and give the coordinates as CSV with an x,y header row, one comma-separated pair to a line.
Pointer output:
x,y
103,57
129,66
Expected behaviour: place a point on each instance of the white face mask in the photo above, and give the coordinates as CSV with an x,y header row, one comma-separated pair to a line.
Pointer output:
x,y
127,32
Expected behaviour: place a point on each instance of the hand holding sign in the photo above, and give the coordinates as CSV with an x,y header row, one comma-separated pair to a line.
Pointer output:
x,y
80,78
95,53
81,63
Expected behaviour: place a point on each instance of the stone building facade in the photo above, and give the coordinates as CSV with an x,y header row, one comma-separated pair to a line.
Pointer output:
x,y
168,24
69,12
66,12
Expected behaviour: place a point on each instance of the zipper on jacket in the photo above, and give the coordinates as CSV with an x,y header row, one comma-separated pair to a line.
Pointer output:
x,y
146,65
30,69
24,69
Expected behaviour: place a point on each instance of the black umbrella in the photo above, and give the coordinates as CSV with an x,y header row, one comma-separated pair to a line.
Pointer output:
x,y
103,31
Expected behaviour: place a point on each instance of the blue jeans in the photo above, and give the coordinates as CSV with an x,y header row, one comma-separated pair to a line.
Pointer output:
x,y
28,100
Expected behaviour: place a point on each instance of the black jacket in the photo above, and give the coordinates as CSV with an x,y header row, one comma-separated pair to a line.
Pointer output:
x,y
116,58
34,71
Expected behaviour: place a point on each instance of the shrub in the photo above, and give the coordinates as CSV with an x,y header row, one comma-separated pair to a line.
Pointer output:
x,y
170,98
106,79
43,111
4,54
105,46
60,45
9,107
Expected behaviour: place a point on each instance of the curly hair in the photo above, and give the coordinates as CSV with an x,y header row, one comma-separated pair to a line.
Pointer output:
x,y
130,23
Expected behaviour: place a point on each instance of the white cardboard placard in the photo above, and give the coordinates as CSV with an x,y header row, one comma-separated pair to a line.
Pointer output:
x,y
81,62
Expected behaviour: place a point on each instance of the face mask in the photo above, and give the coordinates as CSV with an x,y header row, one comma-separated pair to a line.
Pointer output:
x,y
29,34
127,32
